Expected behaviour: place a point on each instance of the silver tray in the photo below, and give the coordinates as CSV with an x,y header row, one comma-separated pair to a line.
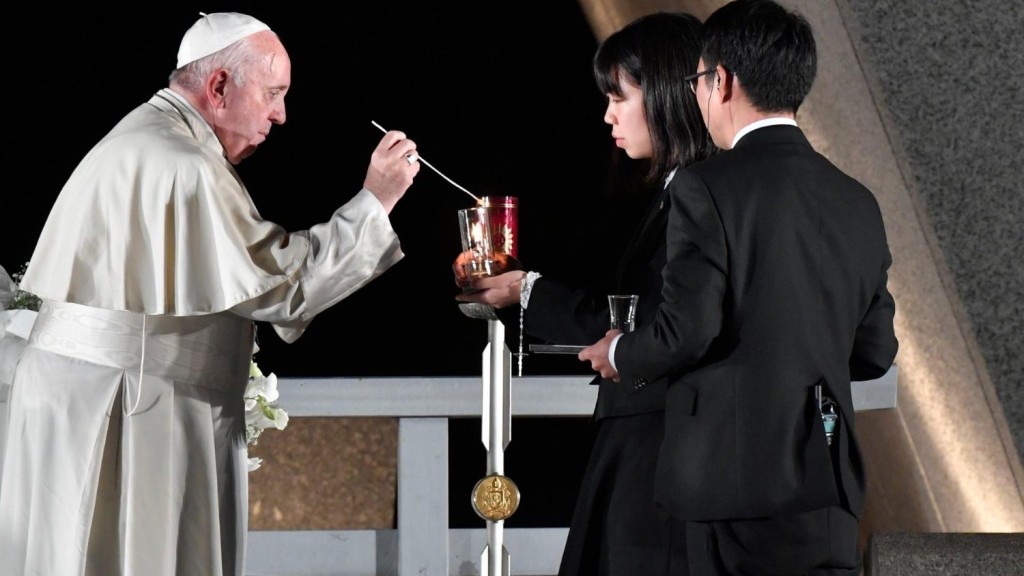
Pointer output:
x,y
556,349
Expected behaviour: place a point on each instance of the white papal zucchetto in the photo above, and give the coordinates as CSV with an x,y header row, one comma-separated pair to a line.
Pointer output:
x,y
214,32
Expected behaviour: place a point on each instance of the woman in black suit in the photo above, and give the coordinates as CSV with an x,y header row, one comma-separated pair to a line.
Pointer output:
x,y
616,528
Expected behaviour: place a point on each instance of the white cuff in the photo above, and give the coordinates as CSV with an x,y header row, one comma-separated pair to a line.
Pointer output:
x,y
611,352
526,286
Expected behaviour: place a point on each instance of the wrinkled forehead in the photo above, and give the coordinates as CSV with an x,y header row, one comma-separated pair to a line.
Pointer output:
x,y
274,66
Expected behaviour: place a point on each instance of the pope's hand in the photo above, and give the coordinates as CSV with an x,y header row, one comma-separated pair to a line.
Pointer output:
x,y
390,172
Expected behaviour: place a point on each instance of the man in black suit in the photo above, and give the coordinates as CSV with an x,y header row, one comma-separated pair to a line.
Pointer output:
x,y
775,297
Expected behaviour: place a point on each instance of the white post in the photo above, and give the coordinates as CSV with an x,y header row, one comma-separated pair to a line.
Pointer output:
x,y
495,497
496,428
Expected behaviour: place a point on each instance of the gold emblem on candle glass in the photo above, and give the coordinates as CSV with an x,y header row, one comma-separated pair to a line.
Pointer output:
x,y
495,497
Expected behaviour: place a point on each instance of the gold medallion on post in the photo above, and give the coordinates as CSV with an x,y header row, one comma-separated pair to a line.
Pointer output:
x,y
495,497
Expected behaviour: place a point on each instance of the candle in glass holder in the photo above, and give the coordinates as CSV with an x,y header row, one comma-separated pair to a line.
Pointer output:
x,y
503,217
489,240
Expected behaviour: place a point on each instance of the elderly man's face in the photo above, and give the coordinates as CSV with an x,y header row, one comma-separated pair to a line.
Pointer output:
x,y
249,110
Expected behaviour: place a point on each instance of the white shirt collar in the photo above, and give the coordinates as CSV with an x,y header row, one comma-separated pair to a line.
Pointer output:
x,y
670,176
761,124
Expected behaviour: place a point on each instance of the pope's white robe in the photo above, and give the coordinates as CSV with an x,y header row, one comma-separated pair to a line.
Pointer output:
x,y
126,439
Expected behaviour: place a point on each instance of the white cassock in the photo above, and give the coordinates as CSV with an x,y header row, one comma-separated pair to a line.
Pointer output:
x,y
126,440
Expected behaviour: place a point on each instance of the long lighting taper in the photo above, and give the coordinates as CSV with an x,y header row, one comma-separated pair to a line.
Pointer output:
x,y
429,165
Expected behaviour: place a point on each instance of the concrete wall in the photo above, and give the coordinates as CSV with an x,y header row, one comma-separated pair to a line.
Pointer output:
x,y
890,107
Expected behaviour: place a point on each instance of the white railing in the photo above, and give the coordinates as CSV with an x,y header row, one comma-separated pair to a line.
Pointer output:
x,y
423,544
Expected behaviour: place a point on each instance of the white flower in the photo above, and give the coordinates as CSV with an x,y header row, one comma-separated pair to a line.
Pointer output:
x,y
7,288
261,409
260,385
12,297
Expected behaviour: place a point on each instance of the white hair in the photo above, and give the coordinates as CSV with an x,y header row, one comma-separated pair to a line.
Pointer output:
x,y
236,58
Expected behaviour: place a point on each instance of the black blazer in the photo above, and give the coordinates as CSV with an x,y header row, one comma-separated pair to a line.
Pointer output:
x,y
560,314
775,282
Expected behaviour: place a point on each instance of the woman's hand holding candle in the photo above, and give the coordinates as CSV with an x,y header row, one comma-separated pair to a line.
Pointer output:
x,y
498,291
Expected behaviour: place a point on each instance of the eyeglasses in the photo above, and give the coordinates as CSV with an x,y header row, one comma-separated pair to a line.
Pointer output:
x,y
692,78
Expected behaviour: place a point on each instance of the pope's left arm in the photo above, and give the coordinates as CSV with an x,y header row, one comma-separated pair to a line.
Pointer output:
x,y
345,253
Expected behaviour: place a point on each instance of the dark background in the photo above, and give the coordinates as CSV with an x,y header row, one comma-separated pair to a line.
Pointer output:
x,y
502,102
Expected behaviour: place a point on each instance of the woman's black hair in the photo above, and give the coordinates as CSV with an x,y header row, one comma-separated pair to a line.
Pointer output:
x,y
656,52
